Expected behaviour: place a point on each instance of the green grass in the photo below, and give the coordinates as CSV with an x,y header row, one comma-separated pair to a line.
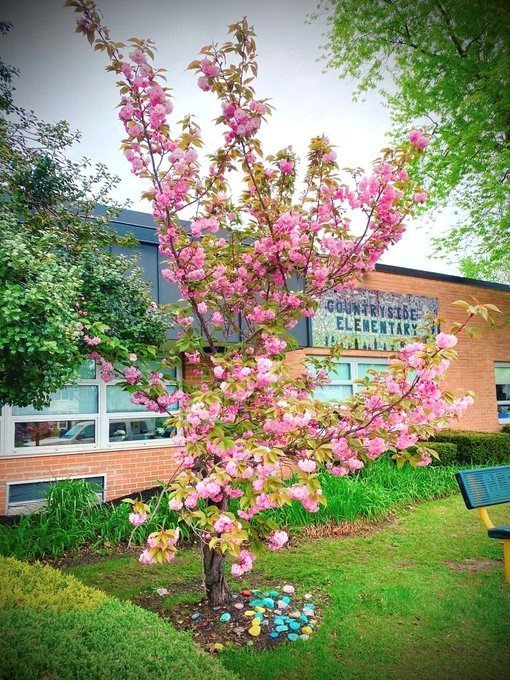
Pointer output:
x,y
419,599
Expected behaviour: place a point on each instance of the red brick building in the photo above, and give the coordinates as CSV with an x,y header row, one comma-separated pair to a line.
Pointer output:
x,y
91,429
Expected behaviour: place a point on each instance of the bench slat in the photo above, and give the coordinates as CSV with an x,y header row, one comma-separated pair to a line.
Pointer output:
x,y
484,487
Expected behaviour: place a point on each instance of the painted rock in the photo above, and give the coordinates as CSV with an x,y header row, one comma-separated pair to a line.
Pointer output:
x,y
310,605
239,605
294,625
277,612
273,593
246,593
308,612
268,602
254,631
293,637
249,643
238,630
302,619
282,605
295,614
286,599
281,629
249,612
259,616
265,622
273,635
225,618
259,609
256,591
288,590
196,616
162,592
304,637
217,647
256,603
313,622
308,596
306,630
278,621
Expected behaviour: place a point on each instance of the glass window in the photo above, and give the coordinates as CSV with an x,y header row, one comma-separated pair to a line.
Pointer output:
x,y
54,433
34,491
138,429
344,375
87,370
69,400
502,380
119,401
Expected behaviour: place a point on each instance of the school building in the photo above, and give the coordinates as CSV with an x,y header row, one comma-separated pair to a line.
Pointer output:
x,y
91,429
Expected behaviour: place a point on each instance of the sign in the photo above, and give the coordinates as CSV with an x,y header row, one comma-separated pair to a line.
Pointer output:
x,y
369,319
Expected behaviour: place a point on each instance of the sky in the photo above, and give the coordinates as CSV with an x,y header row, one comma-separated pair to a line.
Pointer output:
x,y
61,77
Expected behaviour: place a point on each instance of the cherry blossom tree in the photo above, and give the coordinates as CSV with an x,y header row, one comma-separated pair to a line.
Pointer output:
x,y
249,267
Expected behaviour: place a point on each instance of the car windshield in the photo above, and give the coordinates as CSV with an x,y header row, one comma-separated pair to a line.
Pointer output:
x,y
73,431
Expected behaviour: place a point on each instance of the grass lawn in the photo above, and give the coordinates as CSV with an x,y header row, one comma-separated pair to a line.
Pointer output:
x,y
421,598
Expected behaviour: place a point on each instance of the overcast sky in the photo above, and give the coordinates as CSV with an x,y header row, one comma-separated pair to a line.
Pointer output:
x,y
62,78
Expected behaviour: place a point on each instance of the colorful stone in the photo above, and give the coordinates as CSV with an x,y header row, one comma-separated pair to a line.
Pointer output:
x,y
225,618
293,637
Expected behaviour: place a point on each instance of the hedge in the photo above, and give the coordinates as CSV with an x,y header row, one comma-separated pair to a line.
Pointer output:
x,y
474,448
55,636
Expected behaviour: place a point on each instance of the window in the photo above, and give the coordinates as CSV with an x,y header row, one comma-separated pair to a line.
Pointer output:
x,y
28,496
502,380
343,376
85,416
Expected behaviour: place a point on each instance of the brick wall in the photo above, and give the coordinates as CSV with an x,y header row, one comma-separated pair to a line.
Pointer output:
x,y
126,471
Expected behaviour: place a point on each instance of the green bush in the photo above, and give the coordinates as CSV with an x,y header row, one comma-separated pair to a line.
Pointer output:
x,y
40,586
447,452
478,448
113,641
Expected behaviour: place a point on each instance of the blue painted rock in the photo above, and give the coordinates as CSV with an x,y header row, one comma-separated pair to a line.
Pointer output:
x,y
225,618
286,599
308,612
302,619
273,593
293,637
279,621
259,616
294,625
281,629
268,602
256,603
273,635
196,616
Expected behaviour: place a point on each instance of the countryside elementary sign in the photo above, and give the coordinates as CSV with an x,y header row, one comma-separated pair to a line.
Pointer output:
x,y
369,319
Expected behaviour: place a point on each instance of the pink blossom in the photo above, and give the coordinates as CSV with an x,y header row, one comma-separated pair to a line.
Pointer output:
x,y
175,505
137,518
420,197
146,558
277,540
446,341
418,140
307,465
286,167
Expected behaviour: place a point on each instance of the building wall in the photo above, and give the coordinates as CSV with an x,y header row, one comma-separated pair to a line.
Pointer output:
x,y
131,470
475,368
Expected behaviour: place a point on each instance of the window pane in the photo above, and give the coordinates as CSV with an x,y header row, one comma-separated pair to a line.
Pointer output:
x,y
363,368
340,371
503,392
502,374
118,401
87,370
504,411
34,491
130,429
332,392
54,433
68,400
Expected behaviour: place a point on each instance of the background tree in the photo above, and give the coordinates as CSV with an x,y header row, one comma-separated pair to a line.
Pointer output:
x,y
450,65
58,276
252,265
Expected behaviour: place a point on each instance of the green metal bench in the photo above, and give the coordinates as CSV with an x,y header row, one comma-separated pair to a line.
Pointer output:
x,y
483,488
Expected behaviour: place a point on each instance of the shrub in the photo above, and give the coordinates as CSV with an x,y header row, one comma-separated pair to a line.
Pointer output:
x,y
447,452
113,641
42,587
506,429
478,448
71,518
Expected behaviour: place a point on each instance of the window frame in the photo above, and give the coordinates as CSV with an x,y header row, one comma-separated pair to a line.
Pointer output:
x,y
502,402
30,506
101,421
354,363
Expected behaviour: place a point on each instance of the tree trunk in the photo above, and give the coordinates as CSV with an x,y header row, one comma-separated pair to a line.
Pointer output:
x,y
216,588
